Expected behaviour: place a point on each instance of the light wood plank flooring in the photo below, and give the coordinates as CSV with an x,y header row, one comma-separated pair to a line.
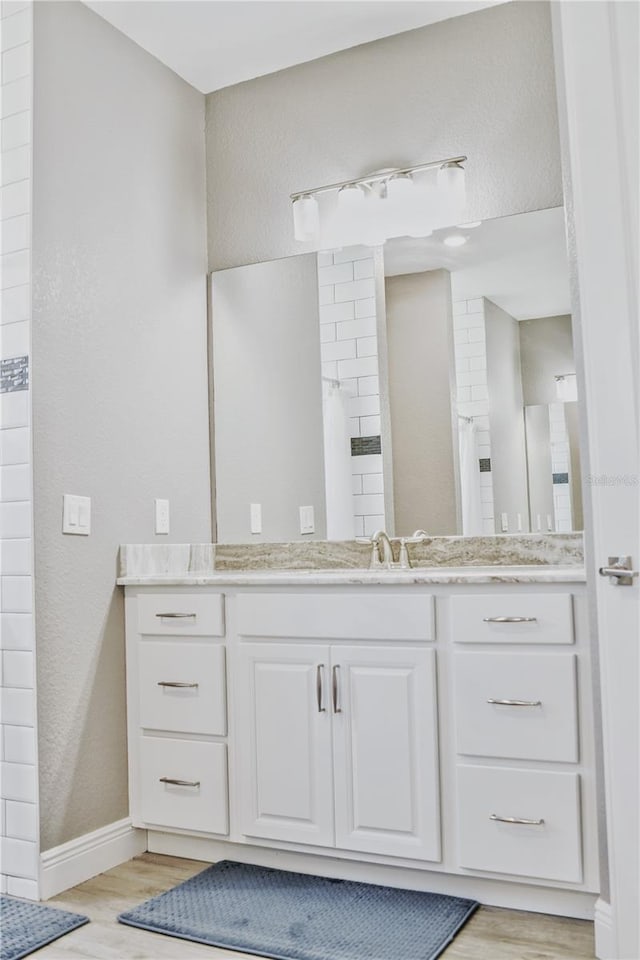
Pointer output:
x,y
491,934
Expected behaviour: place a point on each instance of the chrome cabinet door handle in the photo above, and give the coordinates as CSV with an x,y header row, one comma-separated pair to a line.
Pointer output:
x,y
176,683
334,685
516,703
529,823
319,684
176,616
179,783
509,619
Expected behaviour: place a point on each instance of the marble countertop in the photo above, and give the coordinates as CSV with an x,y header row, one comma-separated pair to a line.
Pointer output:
x,y
433,575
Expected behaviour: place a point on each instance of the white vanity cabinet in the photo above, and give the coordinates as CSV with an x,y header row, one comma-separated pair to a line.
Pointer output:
x,y
177,711
516,701
431,734
350,729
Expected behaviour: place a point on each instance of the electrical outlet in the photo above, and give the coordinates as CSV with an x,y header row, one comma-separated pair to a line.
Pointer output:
x,y
161,516
504,522
307,520
255,510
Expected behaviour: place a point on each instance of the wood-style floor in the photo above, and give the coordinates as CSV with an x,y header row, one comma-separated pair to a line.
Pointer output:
x,y
491,934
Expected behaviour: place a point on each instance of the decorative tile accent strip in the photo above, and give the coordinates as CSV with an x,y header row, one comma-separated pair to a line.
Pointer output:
x,y
363,446
14,374
485,464
561,478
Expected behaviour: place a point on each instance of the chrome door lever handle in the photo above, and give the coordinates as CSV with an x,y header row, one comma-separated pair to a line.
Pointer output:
x,y
619,572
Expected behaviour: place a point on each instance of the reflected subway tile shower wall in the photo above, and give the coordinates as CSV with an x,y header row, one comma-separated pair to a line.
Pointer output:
x,y
471,393
349,353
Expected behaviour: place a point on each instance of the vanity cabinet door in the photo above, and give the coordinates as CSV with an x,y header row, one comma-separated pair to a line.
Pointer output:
x,y
385,751
284,742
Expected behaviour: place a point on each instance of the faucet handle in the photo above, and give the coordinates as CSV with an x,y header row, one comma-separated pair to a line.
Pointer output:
x,y
374,543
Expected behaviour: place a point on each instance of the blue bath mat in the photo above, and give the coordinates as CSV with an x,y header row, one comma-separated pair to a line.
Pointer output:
x,y
291,916
27,926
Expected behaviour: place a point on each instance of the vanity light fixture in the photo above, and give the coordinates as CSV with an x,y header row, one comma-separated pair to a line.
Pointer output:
x,y
566,387
410,201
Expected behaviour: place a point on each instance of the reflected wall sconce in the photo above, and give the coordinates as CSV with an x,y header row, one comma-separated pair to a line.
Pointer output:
x,y
409,201
566,387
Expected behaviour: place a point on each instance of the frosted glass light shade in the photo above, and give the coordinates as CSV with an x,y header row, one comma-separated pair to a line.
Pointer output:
x,y
351,214
451,187
400,205
306,218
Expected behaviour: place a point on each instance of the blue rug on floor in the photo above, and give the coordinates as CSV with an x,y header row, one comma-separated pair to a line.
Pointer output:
x,y
292,916
27,926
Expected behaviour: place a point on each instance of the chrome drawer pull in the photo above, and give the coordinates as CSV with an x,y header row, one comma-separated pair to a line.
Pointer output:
x,y
529,823
176,683
516,703
176,616
180,783
509,619
319,679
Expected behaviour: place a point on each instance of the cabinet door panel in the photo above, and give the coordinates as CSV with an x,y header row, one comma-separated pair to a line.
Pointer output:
x,y
284,748
385,749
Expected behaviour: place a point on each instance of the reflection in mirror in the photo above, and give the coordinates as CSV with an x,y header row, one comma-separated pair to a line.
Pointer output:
x,y
429,383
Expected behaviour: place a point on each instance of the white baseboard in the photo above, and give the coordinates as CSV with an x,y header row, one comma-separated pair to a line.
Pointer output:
x,y
605,936
85,857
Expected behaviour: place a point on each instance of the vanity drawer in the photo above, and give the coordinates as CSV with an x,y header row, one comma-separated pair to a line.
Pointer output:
x,y
541,724
200,803
548,848
199,707
512,618
181,614
337,616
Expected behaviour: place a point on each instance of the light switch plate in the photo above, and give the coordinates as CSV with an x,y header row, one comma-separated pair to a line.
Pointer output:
x,y
307,520
76,515
161,516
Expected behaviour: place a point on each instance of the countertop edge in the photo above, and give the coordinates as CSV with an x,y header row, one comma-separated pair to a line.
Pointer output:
x,y
350,578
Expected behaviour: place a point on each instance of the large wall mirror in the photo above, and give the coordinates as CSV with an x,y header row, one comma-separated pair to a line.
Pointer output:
x,y
426,384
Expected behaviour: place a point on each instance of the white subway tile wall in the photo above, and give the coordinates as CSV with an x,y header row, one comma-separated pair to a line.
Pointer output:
x,y
472,393
349,353
19,846
562,520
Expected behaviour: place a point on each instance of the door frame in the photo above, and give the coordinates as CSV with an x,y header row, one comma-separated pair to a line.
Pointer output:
x,y
596,58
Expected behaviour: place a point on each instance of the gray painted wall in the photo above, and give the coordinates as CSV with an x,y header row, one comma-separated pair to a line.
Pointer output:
x,y
420,352
119,374
506,417
480,85
546,349
268,399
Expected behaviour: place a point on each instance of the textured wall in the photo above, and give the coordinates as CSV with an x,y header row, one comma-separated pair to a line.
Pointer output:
x,y
268,399
421,364
119,354
481,85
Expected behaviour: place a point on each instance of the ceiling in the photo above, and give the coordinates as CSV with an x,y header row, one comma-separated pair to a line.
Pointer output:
x,y
519,262
215,43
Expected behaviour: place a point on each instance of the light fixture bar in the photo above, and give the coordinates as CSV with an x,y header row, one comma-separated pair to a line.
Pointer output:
x,y
376,177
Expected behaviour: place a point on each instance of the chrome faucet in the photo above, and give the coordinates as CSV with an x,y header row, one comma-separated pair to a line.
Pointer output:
x,y
381,539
